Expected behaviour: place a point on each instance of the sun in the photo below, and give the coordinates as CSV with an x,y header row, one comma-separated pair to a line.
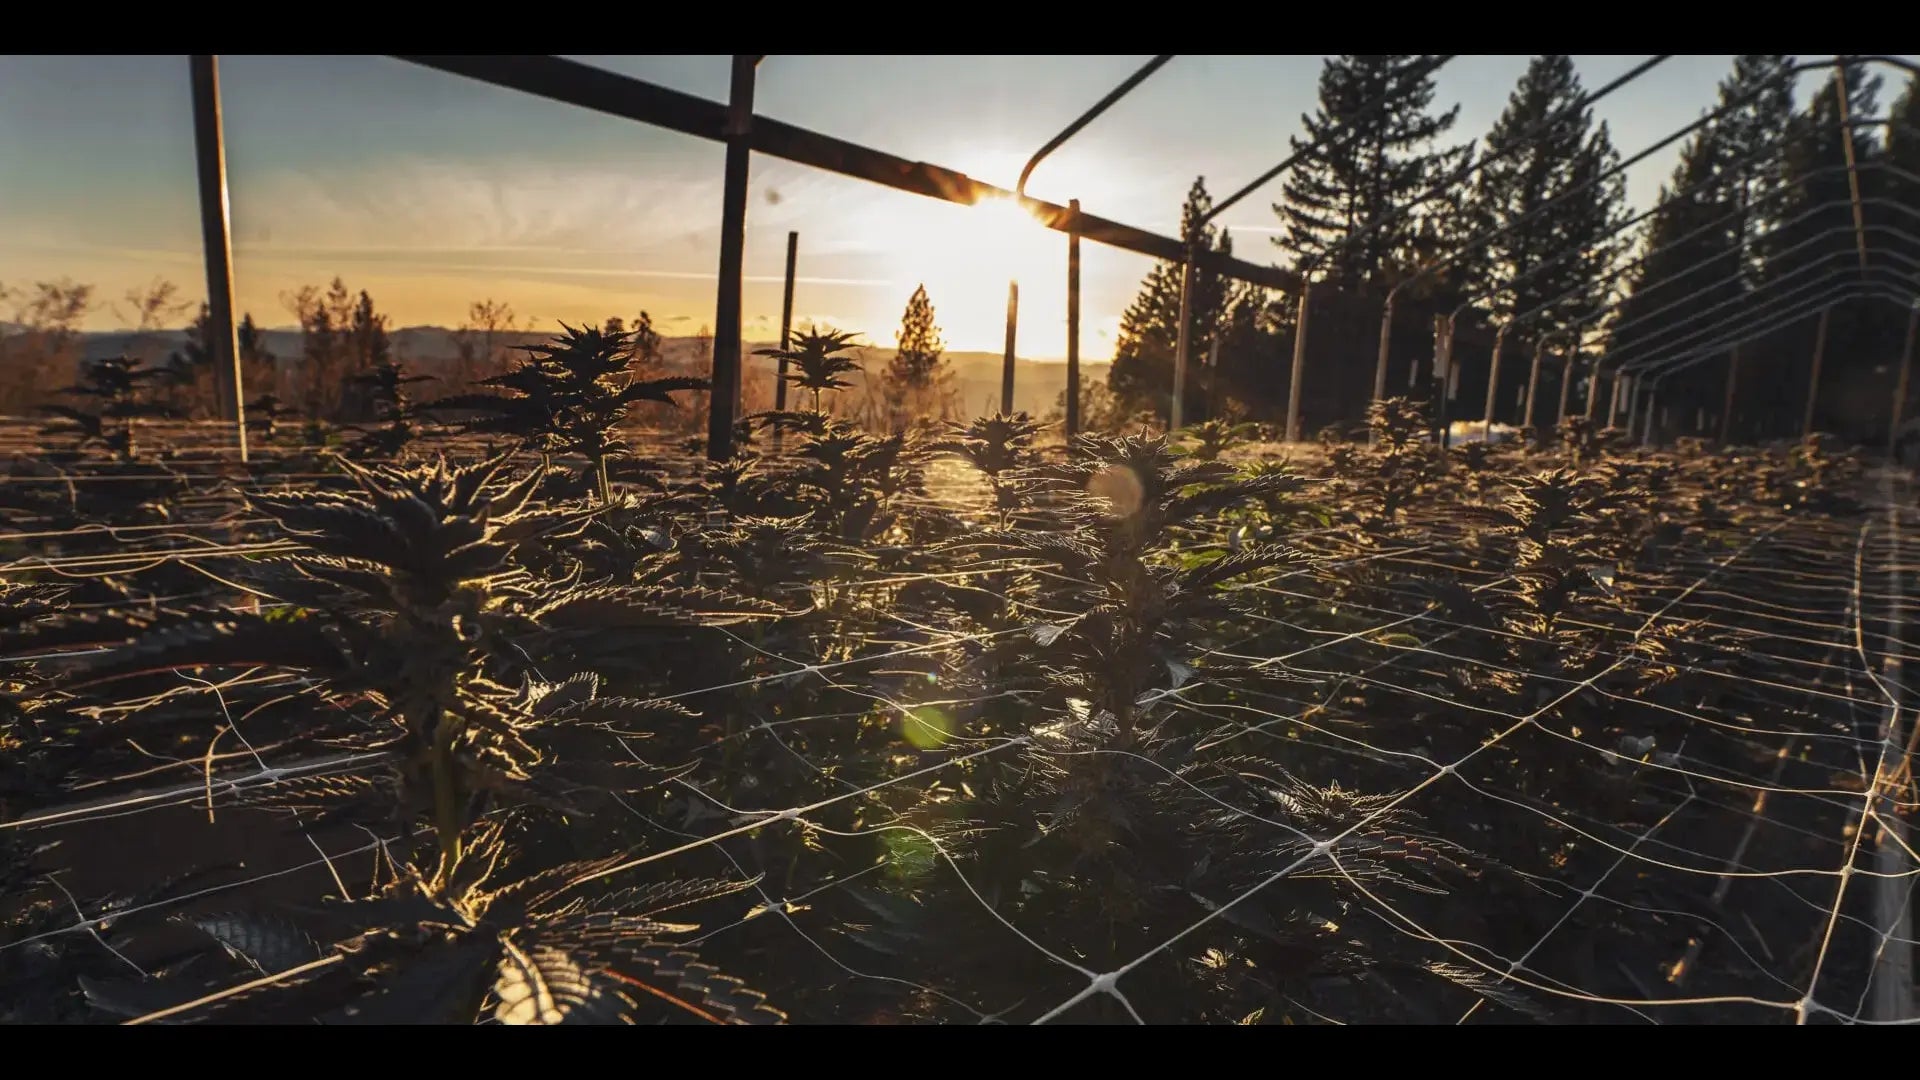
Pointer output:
x,y
966,255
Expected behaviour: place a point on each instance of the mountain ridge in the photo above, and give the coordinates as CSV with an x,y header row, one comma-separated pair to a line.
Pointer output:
x,y
1037,383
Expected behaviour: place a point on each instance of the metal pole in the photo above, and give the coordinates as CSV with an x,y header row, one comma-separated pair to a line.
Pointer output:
x,y
1593,387
1633,403
786,322
1906,372
1105,103
1493,378
216,239
786,334
1443,370
1533,384
1181,343
1613,402
1726,409
1853,171
1299,362
1813,382
1013,328
1073,322
1646,431
1386,344
723,403
1566,381
1213,377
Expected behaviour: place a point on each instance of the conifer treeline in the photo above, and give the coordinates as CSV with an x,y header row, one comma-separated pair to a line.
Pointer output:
x,y
1528,227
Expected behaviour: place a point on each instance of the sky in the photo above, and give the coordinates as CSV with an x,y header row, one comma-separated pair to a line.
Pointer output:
x,y
432,191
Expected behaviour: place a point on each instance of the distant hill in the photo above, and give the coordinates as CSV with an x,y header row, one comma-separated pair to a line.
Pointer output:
x,y
1036,384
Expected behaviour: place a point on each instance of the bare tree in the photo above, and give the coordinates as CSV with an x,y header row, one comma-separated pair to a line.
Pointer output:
x,y
476,348
40,349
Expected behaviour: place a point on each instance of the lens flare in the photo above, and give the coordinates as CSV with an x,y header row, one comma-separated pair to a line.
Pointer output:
x,y
1119,485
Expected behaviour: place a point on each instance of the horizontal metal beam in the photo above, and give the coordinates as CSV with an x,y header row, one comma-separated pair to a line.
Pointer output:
x,y
602,91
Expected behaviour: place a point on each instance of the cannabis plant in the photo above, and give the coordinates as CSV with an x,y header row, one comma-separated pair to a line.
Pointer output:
x,y
569,396
814,361
264,415
385,388
118,386
1207,440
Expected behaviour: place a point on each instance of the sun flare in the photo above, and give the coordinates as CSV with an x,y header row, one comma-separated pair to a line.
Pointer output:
x,y
966,255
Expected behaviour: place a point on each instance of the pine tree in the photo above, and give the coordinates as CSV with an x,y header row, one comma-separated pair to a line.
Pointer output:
x,y
1715,224
1900,181
1142,373
1759,99
646,342
367,349
1819,196
1554,221
918,377
1688,265
1816,250
1350,209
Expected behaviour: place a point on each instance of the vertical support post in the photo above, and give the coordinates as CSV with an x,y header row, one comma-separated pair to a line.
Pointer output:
x,y
1444,377
1726,408
1905,379
1633,403
1181,344
1493,379
1613,400
1299,361
216,233
1813,381
1073,320
1653,400
1568,367
1386,346
1013,331
1213,376
723,404
1533,384
786,323
786,335
1853,170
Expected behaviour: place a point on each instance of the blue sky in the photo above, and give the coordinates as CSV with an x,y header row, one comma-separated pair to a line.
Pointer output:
x,y
432,191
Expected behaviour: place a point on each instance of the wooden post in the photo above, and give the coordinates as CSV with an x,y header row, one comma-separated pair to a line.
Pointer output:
x,y
1813,382
210,154
786,335
1213,376
1726,409
1073,321
1299,362
1493,379
786,323
1181,344
723,404
1533,383
1443,376
1386,346
1566,383
1013,328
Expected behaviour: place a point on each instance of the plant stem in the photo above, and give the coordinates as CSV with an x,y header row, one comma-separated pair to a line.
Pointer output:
x,y
446,796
